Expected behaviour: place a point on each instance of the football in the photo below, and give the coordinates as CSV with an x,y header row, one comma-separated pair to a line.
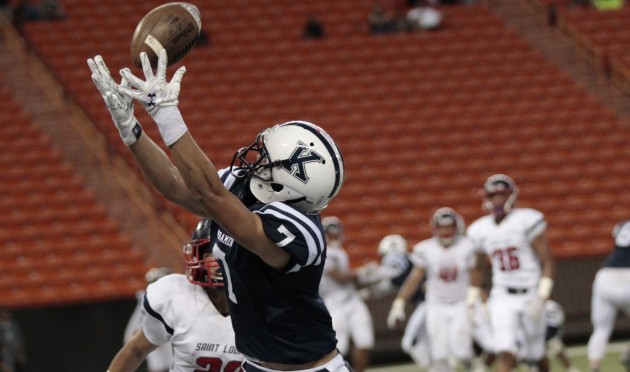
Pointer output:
x,y
173,26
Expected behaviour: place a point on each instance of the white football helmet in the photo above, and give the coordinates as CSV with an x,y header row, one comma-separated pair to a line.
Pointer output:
x,y
332,226
447,217
201,266
621,233
500,183
297,163
393,243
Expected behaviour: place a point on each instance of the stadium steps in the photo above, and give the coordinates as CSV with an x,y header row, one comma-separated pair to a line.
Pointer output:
x,y
54,217
45,202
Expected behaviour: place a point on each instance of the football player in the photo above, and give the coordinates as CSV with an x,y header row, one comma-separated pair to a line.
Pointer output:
x,y
611,294
386,278
160,359
266,230
188,311
447,259
350,315
515,241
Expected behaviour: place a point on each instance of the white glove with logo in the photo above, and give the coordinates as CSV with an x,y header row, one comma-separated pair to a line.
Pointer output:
x,y
397,313
159,98
120,106
155,92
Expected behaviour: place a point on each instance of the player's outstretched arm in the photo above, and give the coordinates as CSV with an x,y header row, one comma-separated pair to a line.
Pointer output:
x,y
205,188
131,356
155,164
409,287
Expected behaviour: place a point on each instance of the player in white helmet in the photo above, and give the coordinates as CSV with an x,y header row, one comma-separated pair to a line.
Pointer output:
x,y
611,294
447,259
385,279
264,209
160,359
554,319
350,315
514,240
189,312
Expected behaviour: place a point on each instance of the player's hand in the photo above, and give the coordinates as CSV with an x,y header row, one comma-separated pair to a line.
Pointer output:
x,y
535,308
471,302
397,313
120,105
154,92
368,273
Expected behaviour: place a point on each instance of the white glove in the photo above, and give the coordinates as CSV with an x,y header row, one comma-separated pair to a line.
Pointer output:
x,y
535,308
159,98
471,301
397,313
368,273
120,106
155,92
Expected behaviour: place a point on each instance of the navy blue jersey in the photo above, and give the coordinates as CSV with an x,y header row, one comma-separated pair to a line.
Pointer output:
x,y
277,315
619,257
403,262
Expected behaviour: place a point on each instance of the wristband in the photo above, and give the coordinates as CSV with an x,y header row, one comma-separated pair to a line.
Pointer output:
x,y
131,135
170,123
545,285
472,295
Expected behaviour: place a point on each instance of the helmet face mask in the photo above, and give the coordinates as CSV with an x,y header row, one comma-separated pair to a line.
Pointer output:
x,y
201,266
499,185
296,163
447,226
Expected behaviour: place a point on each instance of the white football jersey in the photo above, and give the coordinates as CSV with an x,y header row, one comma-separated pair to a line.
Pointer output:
x,y
447,268
331,290
178,311
509,246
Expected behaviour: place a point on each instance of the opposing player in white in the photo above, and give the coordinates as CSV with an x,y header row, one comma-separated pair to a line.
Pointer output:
x,y
447,260
189,311
611,294
515,241
351,318
160,359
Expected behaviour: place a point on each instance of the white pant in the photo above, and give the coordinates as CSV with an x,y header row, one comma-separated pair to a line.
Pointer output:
x,y
352,320
449,332
611,293
415,341
508,318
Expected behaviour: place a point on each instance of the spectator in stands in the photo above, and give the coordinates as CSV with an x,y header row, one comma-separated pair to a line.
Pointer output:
x,y
351,317
12,351
313,29
611,294
424,17
51,10
380,21
160,359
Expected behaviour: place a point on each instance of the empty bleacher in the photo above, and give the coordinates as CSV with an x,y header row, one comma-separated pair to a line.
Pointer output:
x,y
59,245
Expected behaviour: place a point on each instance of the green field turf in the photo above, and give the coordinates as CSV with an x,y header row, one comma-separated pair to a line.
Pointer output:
x,y
577,354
